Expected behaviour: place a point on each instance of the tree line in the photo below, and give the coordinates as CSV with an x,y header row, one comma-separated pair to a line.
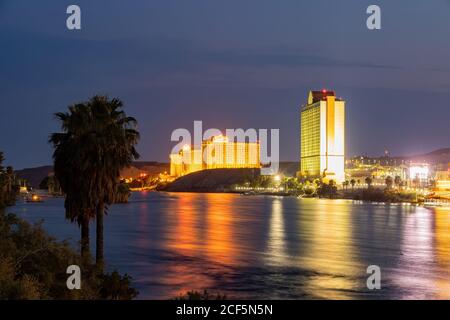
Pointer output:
x,y
8,184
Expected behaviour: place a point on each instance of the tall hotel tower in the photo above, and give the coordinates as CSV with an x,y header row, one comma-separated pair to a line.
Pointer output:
x,y
322,137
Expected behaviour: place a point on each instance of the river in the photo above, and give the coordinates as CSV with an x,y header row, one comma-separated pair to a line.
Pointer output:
x,y
267,247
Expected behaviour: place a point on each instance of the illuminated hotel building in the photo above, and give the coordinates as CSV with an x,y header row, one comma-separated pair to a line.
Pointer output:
x,y
322,137
441,192
215,153
221,153
176,164
419,174
443,182
186,161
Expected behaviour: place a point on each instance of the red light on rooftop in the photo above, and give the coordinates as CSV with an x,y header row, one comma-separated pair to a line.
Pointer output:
x,y
324,90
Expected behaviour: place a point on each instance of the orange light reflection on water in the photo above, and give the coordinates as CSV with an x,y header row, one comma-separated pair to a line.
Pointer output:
x,y
330,249
184,240
202,235
324,246
276,246
442,248
219,244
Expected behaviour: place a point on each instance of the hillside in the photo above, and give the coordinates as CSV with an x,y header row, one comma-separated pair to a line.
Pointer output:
x,y
150,168
34,176
214,180
441,156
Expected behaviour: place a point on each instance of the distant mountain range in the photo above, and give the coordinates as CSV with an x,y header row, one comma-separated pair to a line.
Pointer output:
x,y
214,180
34,176
438,157
441,156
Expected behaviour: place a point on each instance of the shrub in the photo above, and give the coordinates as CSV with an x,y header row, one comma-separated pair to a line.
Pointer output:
x,y
33,266
205,295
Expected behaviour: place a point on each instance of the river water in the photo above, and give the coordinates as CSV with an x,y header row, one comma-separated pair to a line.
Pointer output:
x,y
267,247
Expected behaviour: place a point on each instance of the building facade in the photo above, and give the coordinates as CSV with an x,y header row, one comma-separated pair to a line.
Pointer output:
x,y
443,181
215,153
219,152
441,192
186,161
377,168
322,137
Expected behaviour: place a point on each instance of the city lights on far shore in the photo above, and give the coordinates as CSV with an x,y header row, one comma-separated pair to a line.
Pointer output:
x,y
419,171
217,152
186,147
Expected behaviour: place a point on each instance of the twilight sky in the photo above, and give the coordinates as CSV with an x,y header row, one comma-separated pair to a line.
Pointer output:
x,y
232,64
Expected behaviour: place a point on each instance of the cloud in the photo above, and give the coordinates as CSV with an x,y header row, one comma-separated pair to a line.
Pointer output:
x,y
40,60
282,59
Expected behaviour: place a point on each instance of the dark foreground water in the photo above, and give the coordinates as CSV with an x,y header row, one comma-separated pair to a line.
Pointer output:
x,y
268,247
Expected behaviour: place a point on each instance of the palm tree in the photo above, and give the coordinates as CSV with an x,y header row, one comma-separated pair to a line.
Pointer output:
x,y
98,140
123,193
368,182
389,181
7,178
2,158
71,171
2,182
397,181
353,182
345,184
317,182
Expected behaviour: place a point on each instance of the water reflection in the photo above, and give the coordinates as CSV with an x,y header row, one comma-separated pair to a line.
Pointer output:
x,y
182,244
221,223
276,246
268,247
416,255
183,232
329,249
442,249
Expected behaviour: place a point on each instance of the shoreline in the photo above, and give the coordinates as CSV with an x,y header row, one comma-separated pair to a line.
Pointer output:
x,y
293,195
298,196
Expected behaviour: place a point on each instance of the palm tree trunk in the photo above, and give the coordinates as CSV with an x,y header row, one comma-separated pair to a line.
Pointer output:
x,y
99,247
85,238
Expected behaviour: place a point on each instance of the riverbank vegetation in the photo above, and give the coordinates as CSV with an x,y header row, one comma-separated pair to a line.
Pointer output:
x,y
51,184
8,184
393,190
200,295
381,195
33,266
